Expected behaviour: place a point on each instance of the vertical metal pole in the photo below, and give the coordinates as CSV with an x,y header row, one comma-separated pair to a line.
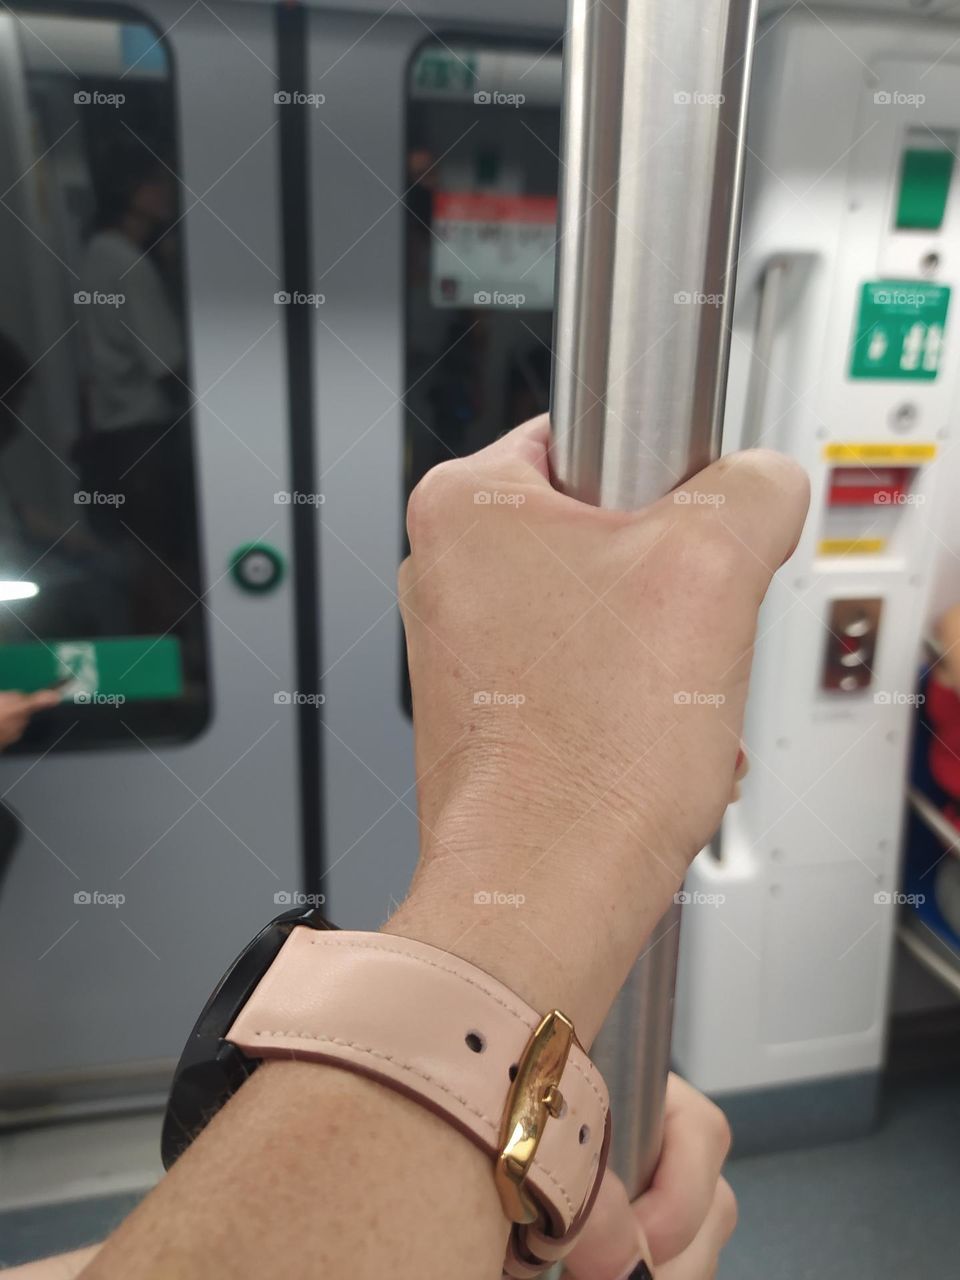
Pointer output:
x,y
655,97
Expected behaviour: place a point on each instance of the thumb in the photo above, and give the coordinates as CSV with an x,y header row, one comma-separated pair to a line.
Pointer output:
x,y
611,1245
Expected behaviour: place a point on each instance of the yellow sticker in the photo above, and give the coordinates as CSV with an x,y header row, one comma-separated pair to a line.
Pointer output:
x,y
851,546
886,452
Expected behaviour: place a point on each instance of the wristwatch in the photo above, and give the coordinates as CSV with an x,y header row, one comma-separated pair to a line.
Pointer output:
x,y
431,1026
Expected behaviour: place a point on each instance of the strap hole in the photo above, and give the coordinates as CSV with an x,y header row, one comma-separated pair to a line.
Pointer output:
x,y
475,1042
512,1073
584,1134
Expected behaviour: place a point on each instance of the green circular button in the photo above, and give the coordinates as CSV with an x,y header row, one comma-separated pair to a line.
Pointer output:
x,y
257,567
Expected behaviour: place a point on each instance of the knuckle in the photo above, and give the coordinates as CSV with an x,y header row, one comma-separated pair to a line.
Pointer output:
x,y
727,1209
430,504
404,579
720,1129
775,474
713,556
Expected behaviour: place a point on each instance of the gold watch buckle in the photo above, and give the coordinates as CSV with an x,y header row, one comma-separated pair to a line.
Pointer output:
x,y
534,1097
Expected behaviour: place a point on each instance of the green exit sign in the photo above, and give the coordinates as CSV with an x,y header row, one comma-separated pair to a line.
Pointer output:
x,y
900,330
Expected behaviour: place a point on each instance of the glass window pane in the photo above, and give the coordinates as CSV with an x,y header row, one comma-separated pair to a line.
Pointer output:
x,y
100,572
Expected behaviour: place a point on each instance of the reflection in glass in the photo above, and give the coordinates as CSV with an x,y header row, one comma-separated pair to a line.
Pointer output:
x,y
482,169
97,489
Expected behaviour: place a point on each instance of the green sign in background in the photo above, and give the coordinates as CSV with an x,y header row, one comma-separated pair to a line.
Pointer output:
x,y
136,667
900,330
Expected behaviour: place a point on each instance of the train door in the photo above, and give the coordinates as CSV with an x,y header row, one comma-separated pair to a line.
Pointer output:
x,y
151,819
433,195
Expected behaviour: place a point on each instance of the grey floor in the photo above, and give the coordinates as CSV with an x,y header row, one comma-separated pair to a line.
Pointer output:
x,y
885,1207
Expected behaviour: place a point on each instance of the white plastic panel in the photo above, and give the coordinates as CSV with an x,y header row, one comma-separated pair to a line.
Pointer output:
x,y
787,979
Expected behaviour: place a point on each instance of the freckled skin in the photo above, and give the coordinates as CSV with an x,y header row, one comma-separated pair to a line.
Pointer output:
x,y
556,742
612,652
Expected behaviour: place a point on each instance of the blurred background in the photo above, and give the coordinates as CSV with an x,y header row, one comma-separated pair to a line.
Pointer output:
x,y
261,267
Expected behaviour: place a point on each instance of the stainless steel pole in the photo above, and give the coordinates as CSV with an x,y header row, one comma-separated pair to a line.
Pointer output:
x,y
655,95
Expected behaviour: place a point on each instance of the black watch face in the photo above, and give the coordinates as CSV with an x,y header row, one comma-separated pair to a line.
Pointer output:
x,y
210,1069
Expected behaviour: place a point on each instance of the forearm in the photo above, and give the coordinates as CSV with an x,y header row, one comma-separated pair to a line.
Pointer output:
x,y
311,1170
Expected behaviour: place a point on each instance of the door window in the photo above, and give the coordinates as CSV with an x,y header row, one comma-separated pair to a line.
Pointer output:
x,y
100,576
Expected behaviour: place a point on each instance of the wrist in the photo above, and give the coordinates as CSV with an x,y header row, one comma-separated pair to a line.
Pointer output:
x,y
557,906
546,953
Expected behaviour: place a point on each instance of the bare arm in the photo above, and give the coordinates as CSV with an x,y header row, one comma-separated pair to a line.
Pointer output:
x,y
582,798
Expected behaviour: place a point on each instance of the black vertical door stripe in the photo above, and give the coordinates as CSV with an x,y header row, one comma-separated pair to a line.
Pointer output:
x,y
292,66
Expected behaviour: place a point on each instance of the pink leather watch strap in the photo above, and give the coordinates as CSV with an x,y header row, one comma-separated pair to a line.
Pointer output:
x,y
446,1034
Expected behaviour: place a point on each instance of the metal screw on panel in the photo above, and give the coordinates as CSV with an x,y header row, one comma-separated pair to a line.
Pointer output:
x,y
904,417
930,261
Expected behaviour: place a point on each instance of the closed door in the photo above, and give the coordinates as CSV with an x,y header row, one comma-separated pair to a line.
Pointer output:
x,y
152,817
434,178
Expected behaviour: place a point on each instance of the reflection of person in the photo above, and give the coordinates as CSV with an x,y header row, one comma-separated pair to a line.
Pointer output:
x,y
134,343
583,801
137,442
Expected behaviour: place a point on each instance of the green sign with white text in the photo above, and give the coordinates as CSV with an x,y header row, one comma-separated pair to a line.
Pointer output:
x,y
900,330
135,668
